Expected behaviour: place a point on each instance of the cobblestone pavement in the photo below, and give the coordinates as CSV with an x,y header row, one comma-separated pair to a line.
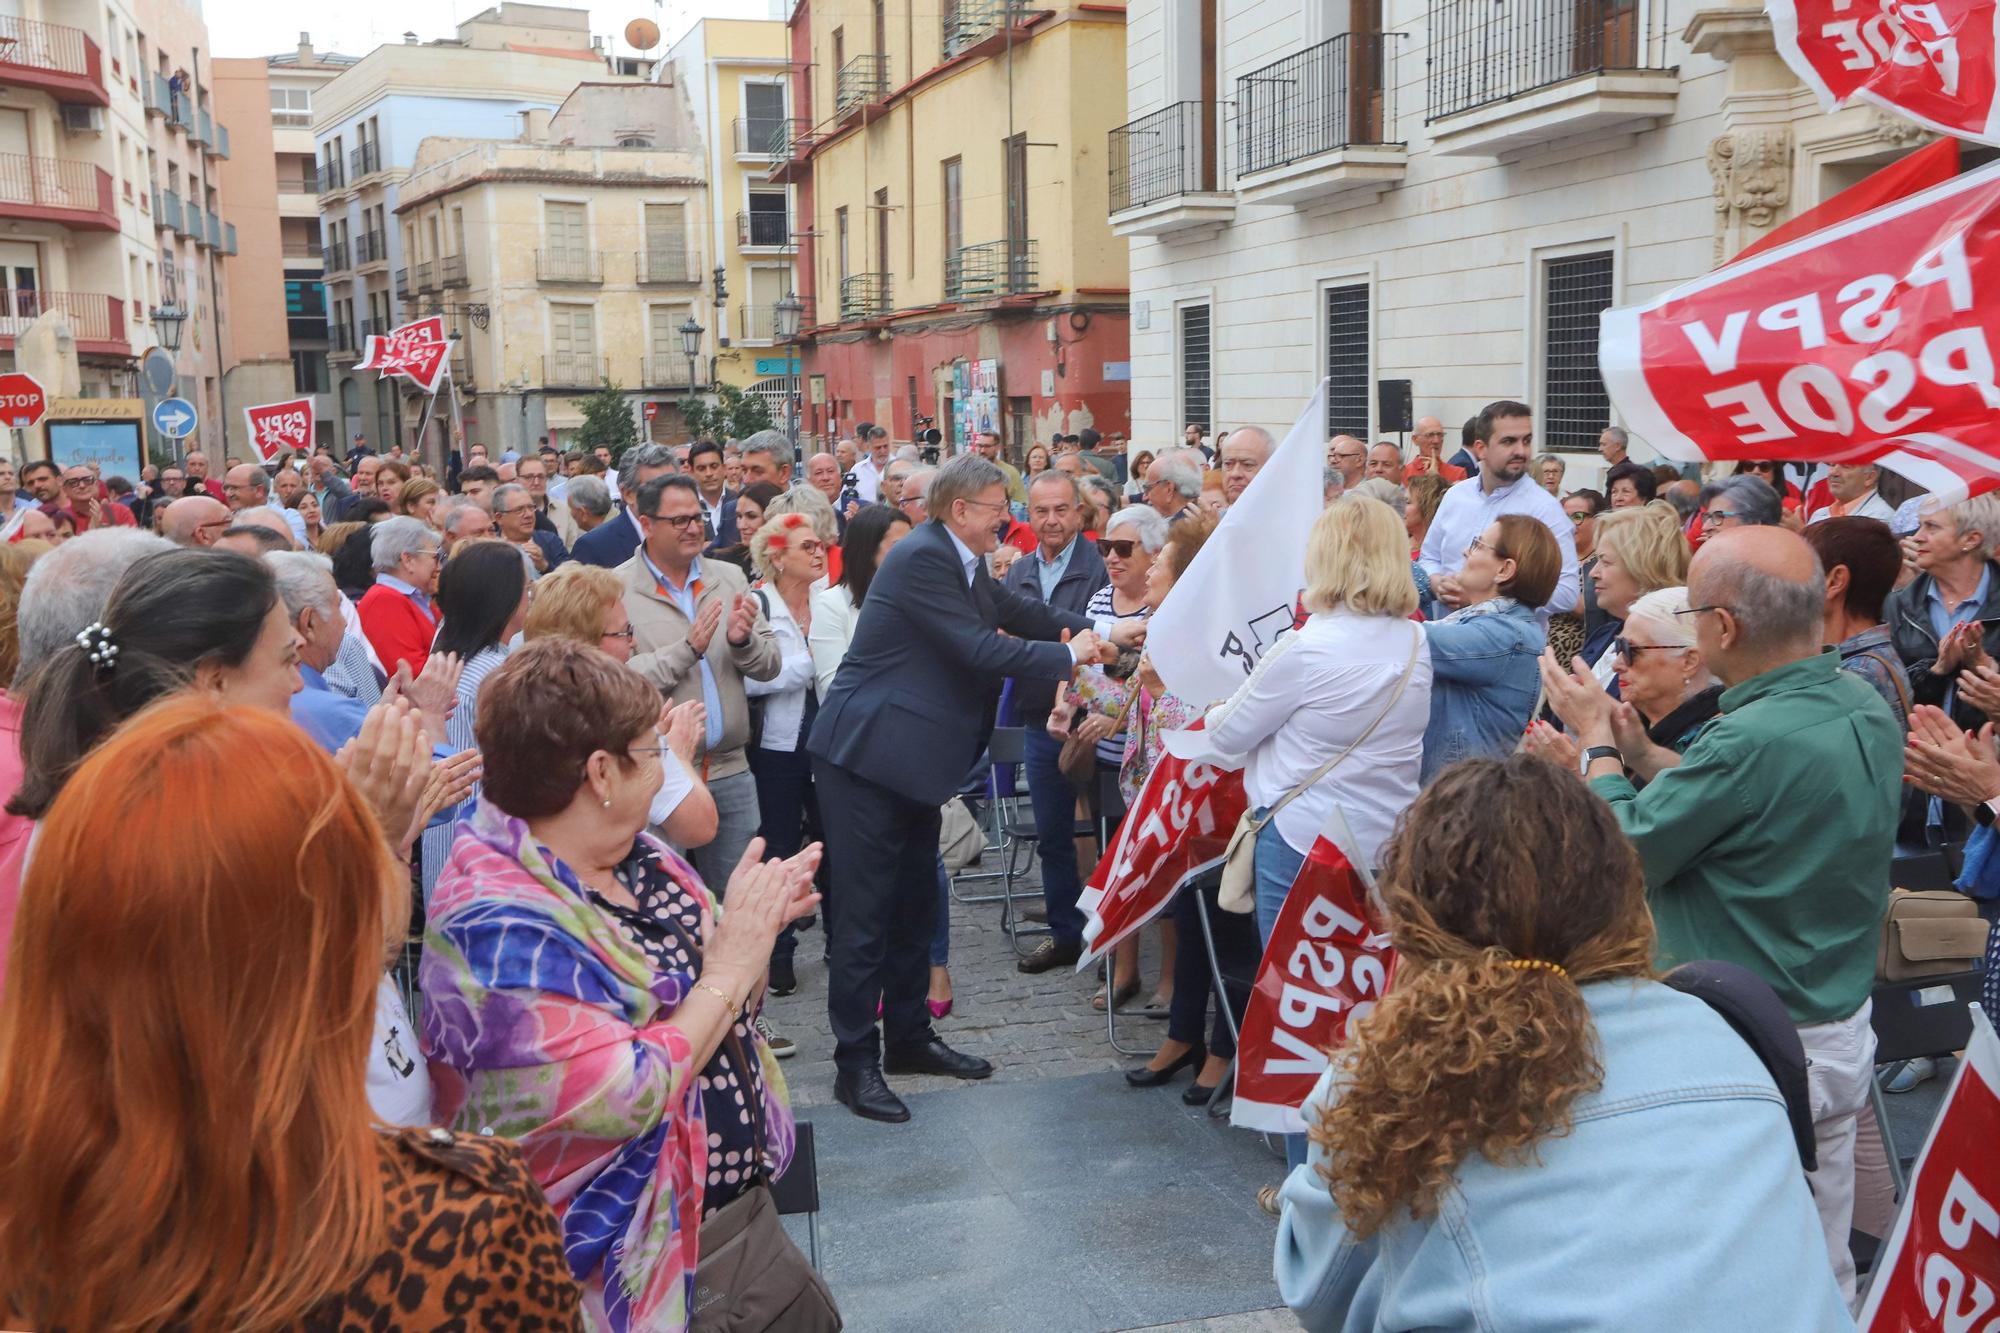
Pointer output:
x,y
1050,1196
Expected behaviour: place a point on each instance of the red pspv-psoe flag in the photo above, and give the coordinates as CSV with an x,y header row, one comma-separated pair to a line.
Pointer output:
x,y
415,351
1325,965
1933,164
1941,1267
276,427
1930,60
1243,588
1178,827
1869,341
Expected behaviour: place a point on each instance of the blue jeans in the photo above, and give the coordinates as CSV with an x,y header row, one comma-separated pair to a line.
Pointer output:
x,y
735,824
1054,804
1276,866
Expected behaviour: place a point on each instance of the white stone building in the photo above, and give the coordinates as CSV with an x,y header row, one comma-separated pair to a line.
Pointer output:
x,y
1442,191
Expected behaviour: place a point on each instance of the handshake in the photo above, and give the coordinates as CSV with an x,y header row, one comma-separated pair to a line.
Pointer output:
x,y
1092,648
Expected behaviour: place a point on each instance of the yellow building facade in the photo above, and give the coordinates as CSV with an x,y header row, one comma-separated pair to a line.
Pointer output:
x,y
953,185
566,264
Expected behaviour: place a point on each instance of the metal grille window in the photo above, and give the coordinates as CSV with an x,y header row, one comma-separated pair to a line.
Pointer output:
x,y
1195,409
1574,409
1347,361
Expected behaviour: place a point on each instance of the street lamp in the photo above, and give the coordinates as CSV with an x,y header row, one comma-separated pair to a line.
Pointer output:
x,y
168,321
690,344
790,311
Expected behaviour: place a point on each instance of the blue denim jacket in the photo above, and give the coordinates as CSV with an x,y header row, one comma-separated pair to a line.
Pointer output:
x,y
1484,684
1676,1202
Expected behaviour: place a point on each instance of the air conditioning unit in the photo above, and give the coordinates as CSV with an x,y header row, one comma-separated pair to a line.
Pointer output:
x,y
83,119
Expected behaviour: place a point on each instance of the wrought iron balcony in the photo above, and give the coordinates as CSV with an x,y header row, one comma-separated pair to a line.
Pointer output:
x,y
332,177
970,22
573,370
451,271
1319,100
759,136
1484,51
427,276
336,257
307,182
667,372
54,189
371,247
402,284
791,137
665,263
340,338
96,320
771,230
367,329
53,57
364,160
996,268
569,265
757,323
864,296
1171,152
863,79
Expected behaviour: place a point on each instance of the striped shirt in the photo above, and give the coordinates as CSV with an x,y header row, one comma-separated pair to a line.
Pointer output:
x,y
458,736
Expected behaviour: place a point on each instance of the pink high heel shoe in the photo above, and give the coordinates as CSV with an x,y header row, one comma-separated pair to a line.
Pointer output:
x,y
938,1008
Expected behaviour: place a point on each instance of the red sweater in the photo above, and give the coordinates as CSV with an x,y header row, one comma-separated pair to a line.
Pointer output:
x,y
395,628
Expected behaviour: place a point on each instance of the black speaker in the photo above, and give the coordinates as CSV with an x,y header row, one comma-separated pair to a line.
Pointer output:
x,y
1392,406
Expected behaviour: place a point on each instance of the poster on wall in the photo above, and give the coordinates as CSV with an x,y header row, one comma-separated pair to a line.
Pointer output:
x,y
975,401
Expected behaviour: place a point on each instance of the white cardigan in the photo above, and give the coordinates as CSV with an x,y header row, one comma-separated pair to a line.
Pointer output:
x,y
784,694
834,616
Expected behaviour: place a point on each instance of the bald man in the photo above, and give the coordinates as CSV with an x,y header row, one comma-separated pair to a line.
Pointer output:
x,y
1350,456
196,467
195,520
823,475
1244,454
1429,440
1767,843
248,486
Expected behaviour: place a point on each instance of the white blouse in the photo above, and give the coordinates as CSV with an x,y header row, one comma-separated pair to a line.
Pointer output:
x,y
834,616
1312,695
784,694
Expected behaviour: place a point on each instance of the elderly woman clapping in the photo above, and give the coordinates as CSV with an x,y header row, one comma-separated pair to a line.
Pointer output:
x,y
584,996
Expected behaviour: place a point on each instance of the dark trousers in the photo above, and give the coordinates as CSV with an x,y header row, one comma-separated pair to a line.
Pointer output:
x,y
885,862
788,812
1054,804
1236,953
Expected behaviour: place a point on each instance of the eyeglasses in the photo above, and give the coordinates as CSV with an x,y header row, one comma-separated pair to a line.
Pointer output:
x,y
1580,517
678,522
988,504
1629,651
1119,547
628,634
1717,517
77,482
1697,610
1479,544
430,553
520,509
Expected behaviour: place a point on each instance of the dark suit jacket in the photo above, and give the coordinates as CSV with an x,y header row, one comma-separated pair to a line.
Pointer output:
x,y
912,703
725,514
609,544
1078,584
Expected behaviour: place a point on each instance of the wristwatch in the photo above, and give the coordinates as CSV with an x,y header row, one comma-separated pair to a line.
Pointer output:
x,y
1600,752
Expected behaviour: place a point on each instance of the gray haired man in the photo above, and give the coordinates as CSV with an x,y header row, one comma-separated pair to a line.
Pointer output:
x,y
612,543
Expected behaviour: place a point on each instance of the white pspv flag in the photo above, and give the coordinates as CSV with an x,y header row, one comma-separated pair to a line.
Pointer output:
x,y
1241,592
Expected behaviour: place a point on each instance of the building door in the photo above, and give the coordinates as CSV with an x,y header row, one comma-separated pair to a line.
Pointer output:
x,y
1364,72
20,285
666,243
763,114
666,363
1017,204
567,229
573,345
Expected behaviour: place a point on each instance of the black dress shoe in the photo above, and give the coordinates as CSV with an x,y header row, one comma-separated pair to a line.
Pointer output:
x,y
933,1057
1049,955
864,1093
1143,1077
784,979
1197,1095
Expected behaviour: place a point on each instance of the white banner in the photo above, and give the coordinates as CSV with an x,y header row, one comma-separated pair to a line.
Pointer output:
x,y
1242,591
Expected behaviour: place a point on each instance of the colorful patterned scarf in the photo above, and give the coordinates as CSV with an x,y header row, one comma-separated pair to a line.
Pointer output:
x,y
545,1025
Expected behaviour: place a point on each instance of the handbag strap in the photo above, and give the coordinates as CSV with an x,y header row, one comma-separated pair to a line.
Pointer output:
x,y
1409,669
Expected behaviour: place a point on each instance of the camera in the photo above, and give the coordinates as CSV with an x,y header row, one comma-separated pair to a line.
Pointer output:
x,y
932,438
850,493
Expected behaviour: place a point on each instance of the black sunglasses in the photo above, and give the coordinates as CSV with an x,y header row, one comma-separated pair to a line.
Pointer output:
x,y
1629,651
1119,547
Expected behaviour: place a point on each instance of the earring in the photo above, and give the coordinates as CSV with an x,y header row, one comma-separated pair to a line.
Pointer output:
x,y
607,803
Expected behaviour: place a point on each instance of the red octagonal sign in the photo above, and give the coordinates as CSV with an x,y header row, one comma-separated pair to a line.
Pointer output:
x,y
22,401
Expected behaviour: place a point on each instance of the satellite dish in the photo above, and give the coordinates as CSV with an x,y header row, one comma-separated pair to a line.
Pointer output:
x,y
642,34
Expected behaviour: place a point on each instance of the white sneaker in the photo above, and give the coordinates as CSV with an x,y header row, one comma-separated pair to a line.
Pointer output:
x,y
781,1046
1917,1071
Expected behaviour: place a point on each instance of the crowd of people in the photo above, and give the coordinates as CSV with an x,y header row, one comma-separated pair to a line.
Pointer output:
x,y
470,817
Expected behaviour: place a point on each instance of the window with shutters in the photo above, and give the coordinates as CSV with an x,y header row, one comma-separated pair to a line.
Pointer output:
x,y
567,228
666,243
573,345
1347,361
1194,355
1574,410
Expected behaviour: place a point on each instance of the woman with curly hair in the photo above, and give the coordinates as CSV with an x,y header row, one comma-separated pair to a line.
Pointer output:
x,y
1530,1128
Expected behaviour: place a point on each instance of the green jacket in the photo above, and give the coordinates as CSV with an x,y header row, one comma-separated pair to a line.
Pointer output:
x,y
1770,845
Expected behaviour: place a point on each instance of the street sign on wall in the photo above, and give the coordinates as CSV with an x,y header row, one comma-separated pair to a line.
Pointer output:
x,y
22,402
175,418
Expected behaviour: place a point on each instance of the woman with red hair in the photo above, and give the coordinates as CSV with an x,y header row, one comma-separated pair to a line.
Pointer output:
x,y
188,1016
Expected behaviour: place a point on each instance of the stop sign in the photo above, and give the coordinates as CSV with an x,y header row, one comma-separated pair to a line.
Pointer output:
x,y
22,401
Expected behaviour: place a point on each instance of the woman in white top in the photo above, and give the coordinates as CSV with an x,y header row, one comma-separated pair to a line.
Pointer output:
x,y
871,533
1320,690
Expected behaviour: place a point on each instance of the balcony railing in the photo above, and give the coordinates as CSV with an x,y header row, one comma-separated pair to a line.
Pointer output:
x,y
1314,101
402,284
1486,51
214,232
332,176
336,257
168,214
665,263
757,323
757,135
53,57
366,329
864,296
371,247
184,119
969,22
190,223
666,372
304,250
363,160
569,265
307,183
92,316
159,100
573,370
1171,152
219,145
997,268
791,136
75,193
340,338
772,230
862,79
451,271
204,127
427,276
229,238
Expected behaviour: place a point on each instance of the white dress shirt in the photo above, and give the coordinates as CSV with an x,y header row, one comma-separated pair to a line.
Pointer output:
x,y
834,616
1312,695
1874,506
1468,508
784,694
868,479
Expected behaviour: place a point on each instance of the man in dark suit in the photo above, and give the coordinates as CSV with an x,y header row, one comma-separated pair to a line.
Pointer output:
x,y
906,716
711,483
612,542
1064,571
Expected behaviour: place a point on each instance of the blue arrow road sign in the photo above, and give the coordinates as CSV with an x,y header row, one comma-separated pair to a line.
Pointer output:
x,y
174,418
